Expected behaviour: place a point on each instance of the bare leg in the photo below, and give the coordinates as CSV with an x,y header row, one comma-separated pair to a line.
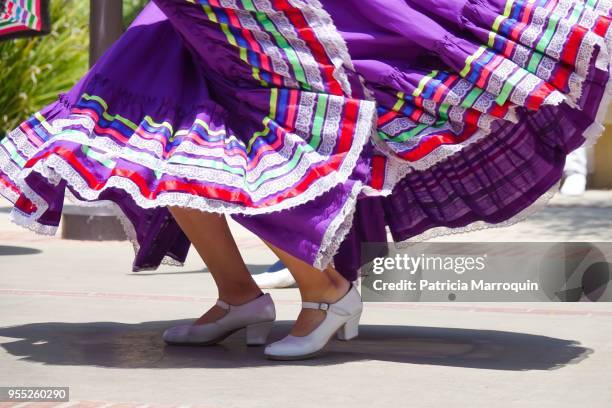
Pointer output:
x,y
315,286
212,238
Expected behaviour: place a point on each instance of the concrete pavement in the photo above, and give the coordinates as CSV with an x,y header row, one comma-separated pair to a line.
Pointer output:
x,y
73,314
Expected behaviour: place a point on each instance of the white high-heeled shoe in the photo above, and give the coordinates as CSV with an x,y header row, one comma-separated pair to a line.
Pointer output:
x,y
341,318
275,280
574,185
257,316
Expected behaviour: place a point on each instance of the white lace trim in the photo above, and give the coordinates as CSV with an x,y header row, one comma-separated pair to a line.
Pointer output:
x,y
11,169
8,193
398,168
337,230
55,168
328,35
24,221
319,21
551,55
112,150
593,132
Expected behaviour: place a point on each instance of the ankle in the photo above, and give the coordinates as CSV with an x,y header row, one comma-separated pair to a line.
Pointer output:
x,y
239,296
330,294
340,289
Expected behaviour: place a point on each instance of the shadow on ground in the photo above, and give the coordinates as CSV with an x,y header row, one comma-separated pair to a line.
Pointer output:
x,y
118,345
17,250
253,268
567,222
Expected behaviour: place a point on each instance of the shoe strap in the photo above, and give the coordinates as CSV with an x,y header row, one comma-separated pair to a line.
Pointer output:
x,y
223,305
314,305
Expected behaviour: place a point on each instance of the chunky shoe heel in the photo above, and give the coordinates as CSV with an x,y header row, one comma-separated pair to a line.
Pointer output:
x,y
257,334
341,317
349,330
256,316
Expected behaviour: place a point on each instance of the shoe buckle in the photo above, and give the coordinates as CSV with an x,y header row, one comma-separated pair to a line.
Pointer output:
x,y
222,304
313,305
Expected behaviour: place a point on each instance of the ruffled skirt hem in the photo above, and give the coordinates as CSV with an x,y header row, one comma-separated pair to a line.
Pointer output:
x,y
315,162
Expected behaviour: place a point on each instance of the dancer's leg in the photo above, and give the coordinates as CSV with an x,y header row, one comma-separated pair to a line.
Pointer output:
x,y
210,235
315,286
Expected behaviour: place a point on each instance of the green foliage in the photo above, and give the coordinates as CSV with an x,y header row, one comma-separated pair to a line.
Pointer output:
x,y
34,70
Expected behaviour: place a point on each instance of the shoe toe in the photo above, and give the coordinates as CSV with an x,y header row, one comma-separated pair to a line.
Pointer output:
x,y
284,347
176,333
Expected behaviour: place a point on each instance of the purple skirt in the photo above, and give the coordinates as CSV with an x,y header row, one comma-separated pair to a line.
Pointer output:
x,y
320,125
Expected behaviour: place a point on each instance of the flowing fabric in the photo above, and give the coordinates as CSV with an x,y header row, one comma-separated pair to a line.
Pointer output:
x,y
320,125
